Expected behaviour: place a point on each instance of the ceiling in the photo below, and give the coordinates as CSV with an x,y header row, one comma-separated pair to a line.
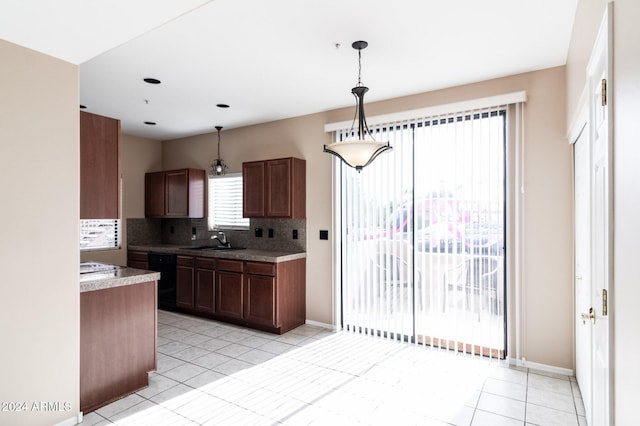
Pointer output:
x,y
276,59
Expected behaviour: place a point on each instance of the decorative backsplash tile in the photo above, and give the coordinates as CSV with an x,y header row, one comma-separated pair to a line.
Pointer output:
x,y
180,232
144,231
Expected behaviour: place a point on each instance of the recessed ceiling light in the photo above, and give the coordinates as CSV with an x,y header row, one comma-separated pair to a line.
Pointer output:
x,y
222,105
152,80
83,106
150,123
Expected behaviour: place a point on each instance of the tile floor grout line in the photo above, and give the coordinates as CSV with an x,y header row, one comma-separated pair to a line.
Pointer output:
x,y
329,362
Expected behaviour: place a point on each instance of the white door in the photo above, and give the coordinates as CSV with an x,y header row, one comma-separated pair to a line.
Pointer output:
x,y
582,244
599,89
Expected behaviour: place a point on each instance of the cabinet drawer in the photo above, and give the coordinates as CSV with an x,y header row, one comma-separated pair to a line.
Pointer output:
x,y
184,261
138,264
205,262
260,268
139,256
229,265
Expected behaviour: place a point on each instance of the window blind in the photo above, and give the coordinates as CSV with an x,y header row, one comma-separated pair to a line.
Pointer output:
x,y
99,234
422,233
225,202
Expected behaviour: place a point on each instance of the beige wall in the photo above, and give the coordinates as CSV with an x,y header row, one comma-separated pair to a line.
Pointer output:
x,y
137,157
39,170
548,314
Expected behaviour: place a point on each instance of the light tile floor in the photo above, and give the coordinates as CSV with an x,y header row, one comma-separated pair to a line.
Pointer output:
x,y
218,374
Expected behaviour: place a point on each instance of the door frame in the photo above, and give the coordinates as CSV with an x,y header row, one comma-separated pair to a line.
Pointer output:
x,y
600,394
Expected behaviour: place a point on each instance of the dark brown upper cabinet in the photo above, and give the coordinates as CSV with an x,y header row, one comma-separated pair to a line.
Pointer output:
x,y
274,188
175,193
99,167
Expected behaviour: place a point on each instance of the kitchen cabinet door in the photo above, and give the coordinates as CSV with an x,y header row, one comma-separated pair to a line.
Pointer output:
x,y
175,193
253,189
205,290
278,188
185,294
260,300
154,194
137,259
274,188
229,294
99,167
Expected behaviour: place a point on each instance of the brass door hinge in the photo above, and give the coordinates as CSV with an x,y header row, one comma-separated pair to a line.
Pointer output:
x,y
604,92
604,302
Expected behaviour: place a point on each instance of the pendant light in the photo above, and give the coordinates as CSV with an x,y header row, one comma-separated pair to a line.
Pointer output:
x,y
219,167
361,152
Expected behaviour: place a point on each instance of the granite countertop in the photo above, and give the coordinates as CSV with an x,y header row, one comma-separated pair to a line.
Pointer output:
x,y
116,277
245,254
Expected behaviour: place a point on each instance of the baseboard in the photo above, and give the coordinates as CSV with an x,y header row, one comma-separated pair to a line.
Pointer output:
x,y
541,367
71,421
321,324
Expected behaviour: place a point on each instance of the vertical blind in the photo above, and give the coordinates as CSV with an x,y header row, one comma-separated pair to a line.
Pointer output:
x,y
422,256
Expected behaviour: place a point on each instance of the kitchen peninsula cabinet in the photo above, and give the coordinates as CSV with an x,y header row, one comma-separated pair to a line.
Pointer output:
x,y
118,335
99,167
175,193
274,188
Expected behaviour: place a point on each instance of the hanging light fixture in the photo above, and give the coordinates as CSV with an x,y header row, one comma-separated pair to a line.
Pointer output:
x,y
361,152
219,167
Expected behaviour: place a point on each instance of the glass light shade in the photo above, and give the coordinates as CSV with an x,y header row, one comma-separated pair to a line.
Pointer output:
x,y
358,153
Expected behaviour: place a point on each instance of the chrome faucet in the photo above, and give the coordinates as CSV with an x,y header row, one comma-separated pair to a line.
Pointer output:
x,y
222,239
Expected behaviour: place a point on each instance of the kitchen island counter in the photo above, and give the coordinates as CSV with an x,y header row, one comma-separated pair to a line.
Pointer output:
x,y
115,277
118,332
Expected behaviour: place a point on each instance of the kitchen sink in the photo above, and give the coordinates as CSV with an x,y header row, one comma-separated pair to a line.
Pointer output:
x,y
213,248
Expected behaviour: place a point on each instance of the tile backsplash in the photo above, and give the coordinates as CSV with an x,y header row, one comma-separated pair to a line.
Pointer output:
x,y
180,231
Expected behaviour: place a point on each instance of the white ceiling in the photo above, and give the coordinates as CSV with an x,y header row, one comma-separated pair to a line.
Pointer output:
x,y
276,59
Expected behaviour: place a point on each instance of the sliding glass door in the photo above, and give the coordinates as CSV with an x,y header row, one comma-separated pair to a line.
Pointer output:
x,y
423,234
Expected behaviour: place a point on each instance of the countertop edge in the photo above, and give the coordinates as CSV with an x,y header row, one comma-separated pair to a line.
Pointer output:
x,y
123,277
246,254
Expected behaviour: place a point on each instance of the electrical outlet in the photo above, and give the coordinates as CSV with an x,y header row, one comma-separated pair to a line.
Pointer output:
x,y
258,232
295,234
270,232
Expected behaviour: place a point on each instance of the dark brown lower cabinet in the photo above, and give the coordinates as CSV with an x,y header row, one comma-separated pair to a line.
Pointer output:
x,y
229,289
117,342
205,279
260,301
185,294
229,295
138,260
263,295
